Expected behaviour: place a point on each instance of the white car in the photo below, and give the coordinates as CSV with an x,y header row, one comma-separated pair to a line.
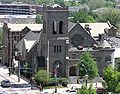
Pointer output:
x,y
3,92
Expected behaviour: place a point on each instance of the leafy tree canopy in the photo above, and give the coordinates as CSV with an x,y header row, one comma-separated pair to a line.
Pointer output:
x,y
39,19
41,77
112,79
111,15
89,65
85,90
82,17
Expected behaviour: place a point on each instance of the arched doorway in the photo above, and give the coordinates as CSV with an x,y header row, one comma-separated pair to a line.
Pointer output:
x,y
57,67
73,71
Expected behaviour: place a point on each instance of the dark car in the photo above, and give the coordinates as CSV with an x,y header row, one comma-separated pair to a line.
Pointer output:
x,y
5,83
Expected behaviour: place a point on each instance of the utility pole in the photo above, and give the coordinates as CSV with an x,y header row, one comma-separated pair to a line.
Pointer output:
x,y
19,67
10,53
86,74
19,58
56,70
18,55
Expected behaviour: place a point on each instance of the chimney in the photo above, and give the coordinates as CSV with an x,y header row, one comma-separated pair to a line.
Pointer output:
x,y
87,28
101,37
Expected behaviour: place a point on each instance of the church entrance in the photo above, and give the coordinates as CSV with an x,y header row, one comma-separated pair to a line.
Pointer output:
x,y
73,71
57,68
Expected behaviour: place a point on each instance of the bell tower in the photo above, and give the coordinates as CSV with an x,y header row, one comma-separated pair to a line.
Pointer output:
x,y
55,21
55,28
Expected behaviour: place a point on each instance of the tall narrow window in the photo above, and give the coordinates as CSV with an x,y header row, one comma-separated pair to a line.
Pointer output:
x,y
61,27
57,48
54,27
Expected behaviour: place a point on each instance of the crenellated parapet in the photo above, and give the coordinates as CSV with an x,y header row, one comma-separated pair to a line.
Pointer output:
x,y
55,8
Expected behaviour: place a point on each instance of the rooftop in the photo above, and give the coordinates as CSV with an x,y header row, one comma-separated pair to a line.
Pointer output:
x,y
19,27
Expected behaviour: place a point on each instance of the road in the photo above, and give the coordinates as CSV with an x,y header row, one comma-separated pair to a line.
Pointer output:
x,y
13,79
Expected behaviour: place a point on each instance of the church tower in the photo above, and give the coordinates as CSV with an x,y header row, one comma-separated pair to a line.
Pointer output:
x,y
55,28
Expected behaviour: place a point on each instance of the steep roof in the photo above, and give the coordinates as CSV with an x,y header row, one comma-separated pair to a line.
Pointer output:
x,y
19,27
29,40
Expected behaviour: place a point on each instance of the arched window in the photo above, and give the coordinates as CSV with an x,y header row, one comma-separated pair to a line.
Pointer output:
x,y
61,27
54,25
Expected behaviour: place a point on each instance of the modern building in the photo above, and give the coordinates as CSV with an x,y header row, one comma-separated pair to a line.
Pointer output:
x,y
18,19
59,42
16,9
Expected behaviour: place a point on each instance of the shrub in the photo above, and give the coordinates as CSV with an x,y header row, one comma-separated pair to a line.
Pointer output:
x,y
85,90
41,77
51,82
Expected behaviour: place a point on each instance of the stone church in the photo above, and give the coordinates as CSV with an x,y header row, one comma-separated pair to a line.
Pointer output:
x,y
61,42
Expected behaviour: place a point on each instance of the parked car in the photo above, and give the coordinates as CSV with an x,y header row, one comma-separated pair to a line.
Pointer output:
x,y
72,92
3,92
5,83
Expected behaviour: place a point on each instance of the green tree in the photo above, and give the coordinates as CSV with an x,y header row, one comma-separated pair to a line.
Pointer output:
x,y
39,19
94,4
85,90
112,79
41,77
81,17
118,64
45,2
60,2
71,3
111,15
27,69
89,65
83,1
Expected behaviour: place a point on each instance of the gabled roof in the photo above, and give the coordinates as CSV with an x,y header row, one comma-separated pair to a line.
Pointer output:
x,y
29,40
19,27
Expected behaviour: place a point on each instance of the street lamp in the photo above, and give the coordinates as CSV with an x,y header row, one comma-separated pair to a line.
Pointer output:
x,y
86,74
18,55
56,67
